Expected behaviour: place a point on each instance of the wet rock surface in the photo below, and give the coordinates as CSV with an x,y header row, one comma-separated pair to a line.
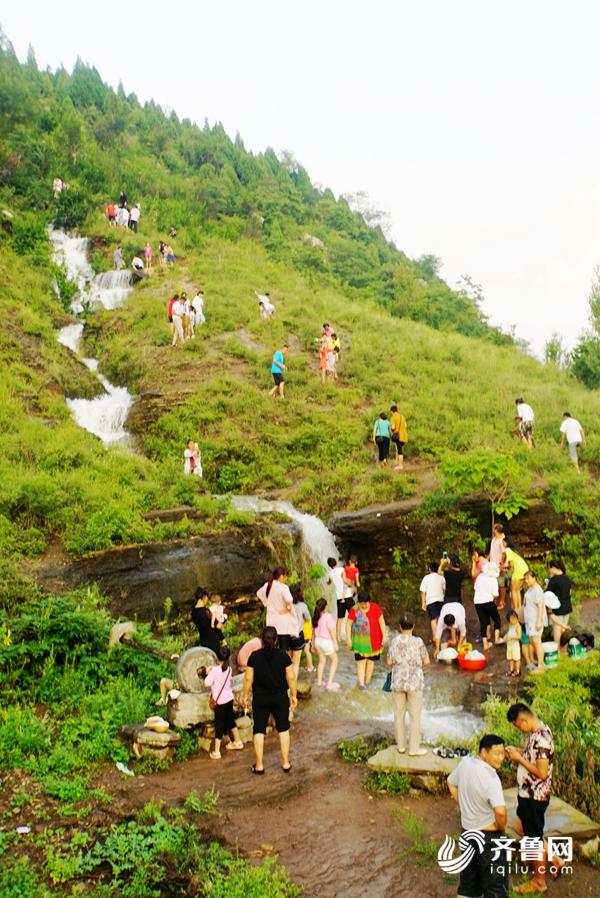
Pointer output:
x,y
139,578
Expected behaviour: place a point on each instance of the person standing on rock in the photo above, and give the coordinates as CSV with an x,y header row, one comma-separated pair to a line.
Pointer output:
x,y
343,592
560,585
497,556
399,435
366,634
219,680
476,787
118,260
517,567
534,779
485,591
279,602
453,574
535,619
208,636
278,367
407,657
432,588
571,431
325,642
270,677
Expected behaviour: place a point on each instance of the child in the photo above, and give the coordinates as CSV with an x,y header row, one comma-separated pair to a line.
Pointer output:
x,y
192,463
352,576
219,680
513,645
217,613
325,644
304,629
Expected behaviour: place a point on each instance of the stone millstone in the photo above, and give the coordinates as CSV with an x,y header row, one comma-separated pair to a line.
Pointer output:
x,y
561,818
191,708
191,665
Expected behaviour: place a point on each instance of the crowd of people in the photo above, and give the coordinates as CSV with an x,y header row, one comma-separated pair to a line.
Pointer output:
x,y
184,315
502,581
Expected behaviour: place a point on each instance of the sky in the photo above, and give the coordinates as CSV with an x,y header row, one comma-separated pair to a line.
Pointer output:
x,y
475,124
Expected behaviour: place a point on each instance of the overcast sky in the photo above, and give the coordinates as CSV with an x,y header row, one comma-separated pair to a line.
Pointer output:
x,y
475,124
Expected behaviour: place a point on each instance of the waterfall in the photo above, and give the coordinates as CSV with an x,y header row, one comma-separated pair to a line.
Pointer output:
x,y
105,415
318,542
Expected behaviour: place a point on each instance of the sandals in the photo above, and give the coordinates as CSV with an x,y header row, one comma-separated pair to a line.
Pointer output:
x,y
257,772
287,769
234,746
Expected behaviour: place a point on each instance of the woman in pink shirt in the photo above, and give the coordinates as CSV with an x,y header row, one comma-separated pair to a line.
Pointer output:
x,y
325,644
219,679
277,599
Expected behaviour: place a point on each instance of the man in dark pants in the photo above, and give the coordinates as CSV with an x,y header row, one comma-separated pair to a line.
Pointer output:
x,y
534,778
475,785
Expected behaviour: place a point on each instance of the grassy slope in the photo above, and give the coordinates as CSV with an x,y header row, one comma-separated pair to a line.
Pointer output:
x,y
456,392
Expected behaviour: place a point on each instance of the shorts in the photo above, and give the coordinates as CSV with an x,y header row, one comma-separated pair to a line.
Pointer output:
x,y
482,876
573,450
278,705
224,719
532,630
524,638
285,641
503,581
434,610
531,813
112,217
398,443
278,378
344,606
513,650
325,645
358,657
526,428
297,643
562,619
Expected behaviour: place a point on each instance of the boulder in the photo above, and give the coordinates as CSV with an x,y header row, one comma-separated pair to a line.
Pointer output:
x,y
189,709
562,819
144,741
427,772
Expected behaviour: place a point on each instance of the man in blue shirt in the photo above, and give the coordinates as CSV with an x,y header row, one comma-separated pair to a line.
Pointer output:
x,y
278,366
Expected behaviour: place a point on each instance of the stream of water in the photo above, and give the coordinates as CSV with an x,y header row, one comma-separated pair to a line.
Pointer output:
x,y
443,713
105,415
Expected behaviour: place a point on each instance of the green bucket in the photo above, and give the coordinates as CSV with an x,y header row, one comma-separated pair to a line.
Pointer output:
x,y
550,653
576,650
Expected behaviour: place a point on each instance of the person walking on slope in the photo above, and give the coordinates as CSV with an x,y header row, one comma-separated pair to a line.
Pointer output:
x,y
571,431
399,435
177,311
381,437
148,256
526,419
278,367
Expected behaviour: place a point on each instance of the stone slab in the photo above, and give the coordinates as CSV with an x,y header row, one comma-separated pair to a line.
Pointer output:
x,y
429,765
561,818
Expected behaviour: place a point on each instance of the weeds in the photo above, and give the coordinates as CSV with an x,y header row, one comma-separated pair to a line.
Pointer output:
x,y
423,848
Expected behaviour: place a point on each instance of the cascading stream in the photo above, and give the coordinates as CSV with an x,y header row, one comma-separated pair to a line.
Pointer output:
x,y
443,712
105,415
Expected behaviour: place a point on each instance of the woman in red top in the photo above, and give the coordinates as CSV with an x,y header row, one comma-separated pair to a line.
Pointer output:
x,y
366,637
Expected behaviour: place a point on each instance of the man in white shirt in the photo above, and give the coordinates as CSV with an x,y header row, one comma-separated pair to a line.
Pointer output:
x,y
526,417
134,217
475,785
572,431
178,311
198,305
343,592
432,589
451,625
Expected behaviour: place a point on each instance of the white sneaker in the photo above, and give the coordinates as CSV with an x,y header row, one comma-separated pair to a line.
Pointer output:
x,y
215,755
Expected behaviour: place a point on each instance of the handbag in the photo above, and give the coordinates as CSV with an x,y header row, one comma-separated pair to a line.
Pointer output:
x,y
213,702
387,686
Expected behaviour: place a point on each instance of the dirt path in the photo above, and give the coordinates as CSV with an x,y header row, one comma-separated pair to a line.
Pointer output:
x,y
336,839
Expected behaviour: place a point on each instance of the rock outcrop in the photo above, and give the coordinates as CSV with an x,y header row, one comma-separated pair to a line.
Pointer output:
x,y
139,578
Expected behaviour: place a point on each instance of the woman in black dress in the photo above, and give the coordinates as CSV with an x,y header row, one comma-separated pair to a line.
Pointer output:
x,y
208,636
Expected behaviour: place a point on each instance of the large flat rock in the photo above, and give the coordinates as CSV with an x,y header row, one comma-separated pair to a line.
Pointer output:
x,y
561,818
426,765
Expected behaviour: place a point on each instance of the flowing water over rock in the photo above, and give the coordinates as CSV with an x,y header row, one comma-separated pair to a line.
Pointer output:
x,y
105,415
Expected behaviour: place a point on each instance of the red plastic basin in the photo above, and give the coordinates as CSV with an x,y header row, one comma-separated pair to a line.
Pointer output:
x,y
468,664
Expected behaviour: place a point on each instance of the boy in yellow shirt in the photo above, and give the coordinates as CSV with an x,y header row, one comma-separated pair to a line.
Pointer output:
x,y
399,435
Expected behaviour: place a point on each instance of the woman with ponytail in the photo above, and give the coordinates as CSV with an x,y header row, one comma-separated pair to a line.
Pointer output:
x,y
221,693
269,676
278,600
